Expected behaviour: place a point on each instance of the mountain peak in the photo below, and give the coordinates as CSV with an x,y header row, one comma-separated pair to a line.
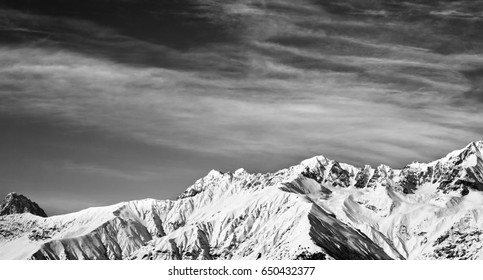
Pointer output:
x,y
213,173
477,145
315,162
15,203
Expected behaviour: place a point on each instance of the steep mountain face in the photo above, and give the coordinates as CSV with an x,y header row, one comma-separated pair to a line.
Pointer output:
x,y
16,204
318,209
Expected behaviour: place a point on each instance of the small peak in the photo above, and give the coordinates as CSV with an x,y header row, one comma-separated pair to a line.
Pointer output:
x,y
471,148
240,171
367,167
315,162
457,157
478,145
415,165
15,203
12,194
214,173
383,166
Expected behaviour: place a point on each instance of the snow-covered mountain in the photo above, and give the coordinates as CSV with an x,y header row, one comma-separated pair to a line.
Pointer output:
x,y
318,209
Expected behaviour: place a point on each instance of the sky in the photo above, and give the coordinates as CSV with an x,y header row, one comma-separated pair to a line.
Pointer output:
x,y
103,101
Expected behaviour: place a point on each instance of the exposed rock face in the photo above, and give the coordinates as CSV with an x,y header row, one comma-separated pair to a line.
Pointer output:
x,y
16,204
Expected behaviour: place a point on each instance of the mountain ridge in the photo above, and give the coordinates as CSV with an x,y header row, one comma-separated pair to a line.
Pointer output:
x,y
318,209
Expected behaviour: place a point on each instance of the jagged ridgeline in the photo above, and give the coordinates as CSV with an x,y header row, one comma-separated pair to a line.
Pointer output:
x,y
318,209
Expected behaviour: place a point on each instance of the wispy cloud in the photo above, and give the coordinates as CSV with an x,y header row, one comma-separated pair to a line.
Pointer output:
x,y
98,170
183,110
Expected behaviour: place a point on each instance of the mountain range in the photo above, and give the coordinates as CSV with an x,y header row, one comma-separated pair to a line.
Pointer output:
x,y
318,209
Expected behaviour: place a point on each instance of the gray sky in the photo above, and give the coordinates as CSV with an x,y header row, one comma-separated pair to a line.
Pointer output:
x,y
104,101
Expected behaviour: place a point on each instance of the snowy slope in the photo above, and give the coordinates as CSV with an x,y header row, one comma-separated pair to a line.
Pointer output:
x,y
112,232
241,215
318,209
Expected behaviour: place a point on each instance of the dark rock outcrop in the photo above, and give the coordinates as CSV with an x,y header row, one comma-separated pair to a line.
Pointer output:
x,y
16,204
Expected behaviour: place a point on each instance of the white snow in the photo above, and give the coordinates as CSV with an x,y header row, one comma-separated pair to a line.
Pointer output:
x,y
471,161
282,215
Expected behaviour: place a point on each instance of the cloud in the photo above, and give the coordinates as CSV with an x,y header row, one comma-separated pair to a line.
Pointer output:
x,y
222,115
97,170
